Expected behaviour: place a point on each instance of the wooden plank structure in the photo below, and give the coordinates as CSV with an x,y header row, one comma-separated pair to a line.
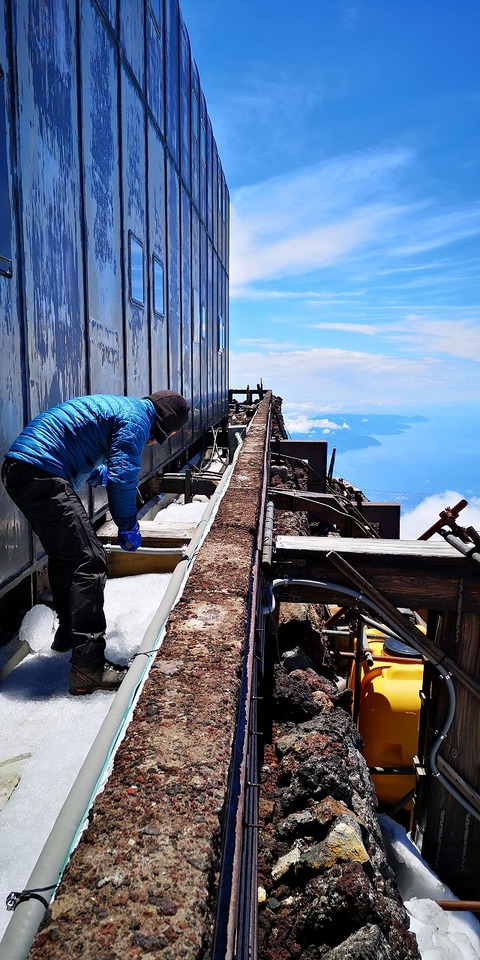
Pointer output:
x,y
429,575
434,577
153,534
162,548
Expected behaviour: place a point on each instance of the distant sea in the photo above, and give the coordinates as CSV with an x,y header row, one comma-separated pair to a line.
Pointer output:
x,y
408,458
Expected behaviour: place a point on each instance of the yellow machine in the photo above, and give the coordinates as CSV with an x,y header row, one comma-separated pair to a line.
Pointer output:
x,y
386,682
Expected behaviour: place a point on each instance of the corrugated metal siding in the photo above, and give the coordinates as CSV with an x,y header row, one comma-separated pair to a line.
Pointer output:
x,y
108,144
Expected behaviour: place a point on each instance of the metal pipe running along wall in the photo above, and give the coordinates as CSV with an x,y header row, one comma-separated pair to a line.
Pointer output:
x,y
65,834
409,636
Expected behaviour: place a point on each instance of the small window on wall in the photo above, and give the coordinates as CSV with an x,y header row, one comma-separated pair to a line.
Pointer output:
x,y
221,333
158,288
203,142
135,270
196,315
5,212
204,321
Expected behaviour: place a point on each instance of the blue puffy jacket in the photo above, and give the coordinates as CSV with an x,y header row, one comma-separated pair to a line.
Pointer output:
x,y
75,438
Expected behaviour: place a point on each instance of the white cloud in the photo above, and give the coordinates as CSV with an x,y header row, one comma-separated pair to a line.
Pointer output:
x,y
300,252
312,297
304,424
417,521
266,343
424,337
442,230
456,338
352,213
334,379
314,216
368,329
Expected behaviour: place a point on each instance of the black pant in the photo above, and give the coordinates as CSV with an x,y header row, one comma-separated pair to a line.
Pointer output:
x,y
77,568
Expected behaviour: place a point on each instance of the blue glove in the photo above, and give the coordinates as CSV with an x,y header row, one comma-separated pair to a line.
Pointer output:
x,y
130,540
98,476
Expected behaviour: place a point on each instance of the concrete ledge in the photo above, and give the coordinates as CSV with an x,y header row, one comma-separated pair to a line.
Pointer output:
x,y
143,880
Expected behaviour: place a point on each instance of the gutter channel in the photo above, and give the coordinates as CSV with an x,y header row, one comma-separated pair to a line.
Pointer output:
x,y
97,767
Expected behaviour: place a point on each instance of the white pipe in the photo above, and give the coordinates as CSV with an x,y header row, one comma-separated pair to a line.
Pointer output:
x,y
22,928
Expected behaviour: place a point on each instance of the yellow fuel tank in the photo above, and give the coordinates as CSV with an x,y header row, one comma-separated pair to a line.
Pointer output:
x,y
388,712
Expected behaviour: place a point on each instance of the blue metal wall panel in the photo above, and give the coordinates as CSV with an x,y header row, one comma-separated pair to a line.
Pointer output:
x,y
185,107
155,64
186,288
172,93
103,248
195,136
132,14
203,160
137,348
96,85
209,179
48,158
214,182
204,303
197,326
16,549
211,356
157,228
109,8
173,278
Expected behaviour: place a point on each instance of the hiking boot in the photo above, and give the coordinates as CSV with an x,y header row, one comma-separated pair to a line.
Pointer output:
x,y
107,677
62,640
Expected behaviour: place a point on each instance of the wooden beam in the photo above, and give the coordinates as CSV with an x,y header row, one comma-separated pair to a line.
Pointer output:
x,y
124,564
410,573
153,534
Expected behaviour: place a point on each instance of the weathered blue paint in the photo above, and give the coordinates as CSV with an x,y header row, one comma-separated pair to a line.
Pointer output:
x,y
49,173
172,93
198,389
132,31
103,236
155,66
135,226
195,136
173,273
101,99
187,300
158,248
186,118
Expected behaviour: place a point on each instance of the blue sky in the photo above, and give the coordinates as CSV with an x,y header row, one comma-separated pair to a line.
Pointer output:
x,y
350,137
349,133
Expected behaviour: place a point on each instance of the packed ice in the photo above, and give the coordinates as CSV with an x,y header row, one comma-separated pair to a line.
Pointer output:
x,y
441,934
